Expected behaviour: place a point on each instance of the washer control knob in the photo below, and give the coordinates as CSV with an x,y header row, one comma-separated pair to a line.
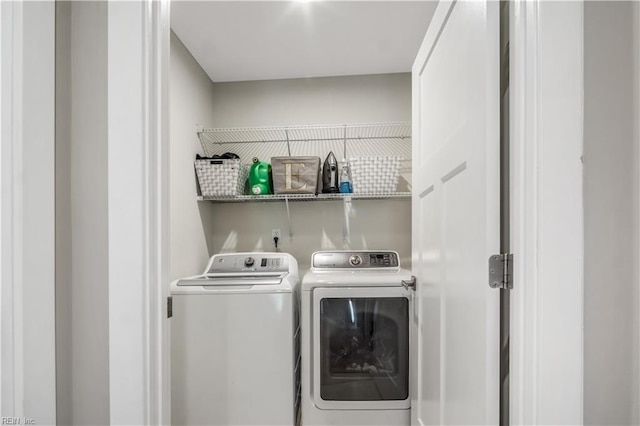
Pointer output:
x,y
249,261
355,260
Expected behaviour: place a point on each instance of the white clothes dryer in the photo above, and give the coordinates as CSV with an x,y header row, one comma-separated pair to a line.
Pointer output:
x,y
234,342
355,316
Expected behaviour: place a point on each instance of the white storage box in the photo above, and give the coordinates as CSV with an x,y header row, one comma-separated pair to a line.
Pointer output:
x,y
221,177
295,175
375,175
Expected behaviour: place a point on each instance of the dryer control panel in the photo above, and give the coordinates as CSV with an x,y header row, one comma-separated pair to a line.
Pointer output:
x,y
355,259
243,262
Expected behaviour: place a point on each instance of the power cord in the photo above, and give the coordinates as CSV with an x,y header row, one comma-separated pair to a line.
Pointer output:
x,y
275,241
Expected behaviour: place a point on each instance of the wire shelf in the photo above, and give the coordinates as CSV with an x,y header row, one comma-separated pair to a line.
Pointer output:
x,y
306,197
287,136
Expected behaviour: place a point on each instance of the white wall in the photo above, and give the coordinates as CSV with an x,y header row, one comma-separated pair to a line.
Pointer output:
x,y
89,212
81,203
635,394
191,102
246,227
36,274
27,210
64,318
376,224
611,214
330,100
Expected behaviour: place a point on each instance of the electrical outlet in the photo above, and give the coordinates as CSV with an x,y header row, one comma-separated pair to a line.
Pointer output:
x,y
275,233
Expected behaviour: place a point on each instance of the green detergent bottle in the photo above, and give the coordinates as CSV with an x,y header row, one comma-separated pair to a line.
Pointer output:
x,y
259,182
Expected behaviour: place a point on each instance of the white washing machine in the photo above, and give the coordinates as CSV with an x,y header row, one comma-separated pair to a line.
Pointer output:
x,y
355,339
235,342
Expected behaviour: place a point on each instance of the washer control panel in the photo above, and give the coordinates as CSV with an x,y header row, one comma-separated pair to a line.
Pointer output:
x,y
355,259
230,263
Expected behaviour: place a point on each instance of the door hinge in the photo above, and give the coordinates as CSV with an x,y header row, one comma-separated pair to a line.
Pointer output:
x,y
169,307
501,271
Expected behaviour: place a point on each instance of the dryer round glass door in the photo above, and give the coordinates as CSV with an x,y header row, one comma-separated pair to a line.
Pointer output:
x,y
361,341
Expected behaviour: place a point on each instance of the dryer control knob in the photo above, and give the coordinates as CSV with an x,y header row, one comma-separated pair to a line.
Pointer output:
x,y
249,261
355,260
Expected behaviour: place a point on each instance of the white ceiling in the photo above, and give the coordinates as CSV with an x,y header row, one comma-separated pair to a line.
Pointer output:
x,y
267,40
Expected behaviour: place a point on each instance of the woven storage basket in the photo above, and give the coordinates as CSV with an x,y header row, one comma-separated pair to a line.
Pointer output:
x,y
221,177
375,174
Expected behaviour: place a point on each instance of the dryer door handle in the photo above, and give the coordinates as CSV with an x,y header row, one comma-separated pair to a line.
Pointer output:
x,y
410,284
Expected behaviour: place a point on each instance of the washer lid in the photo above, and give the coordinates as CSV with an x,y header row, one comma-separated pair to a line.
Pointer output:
x,y
234,279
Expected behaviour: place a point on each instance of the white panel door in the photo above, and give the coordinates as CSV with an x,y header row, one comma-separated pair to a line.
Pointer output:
x,y
455,364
